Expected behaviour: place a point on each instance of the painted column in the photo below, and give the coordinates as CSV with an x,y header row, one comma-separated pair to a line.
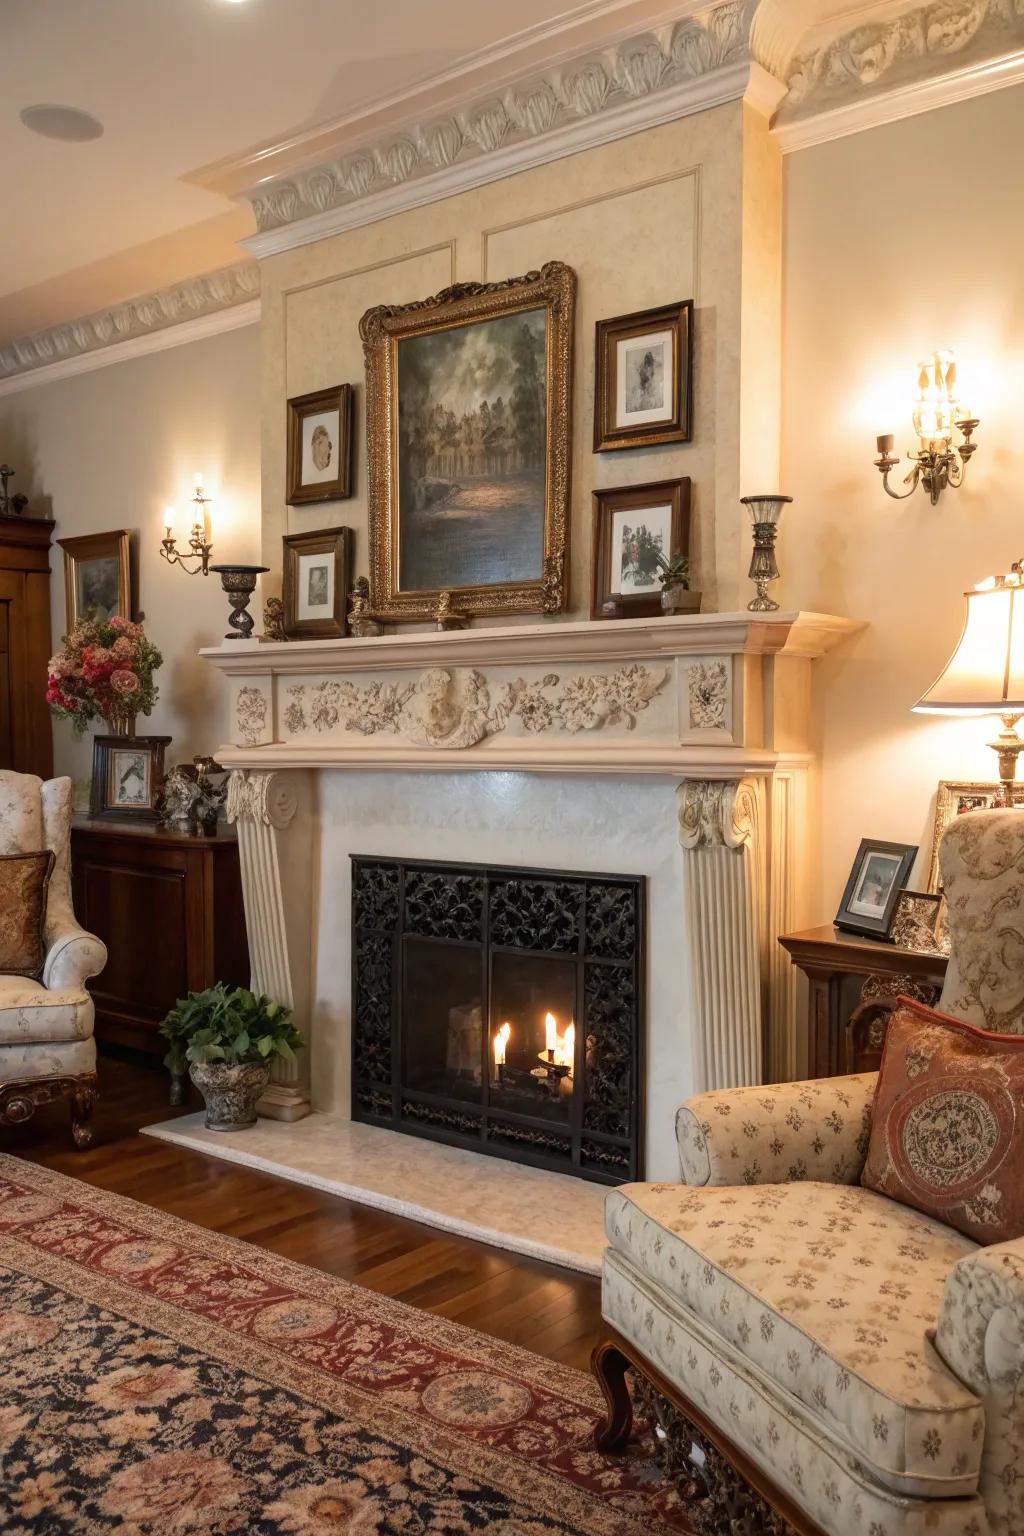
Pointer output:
x,y
272,813
721,830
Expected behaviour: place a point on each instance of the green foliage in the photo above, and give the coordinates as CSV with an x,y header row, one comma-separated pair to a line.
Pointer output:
x,y
229,1025
674,572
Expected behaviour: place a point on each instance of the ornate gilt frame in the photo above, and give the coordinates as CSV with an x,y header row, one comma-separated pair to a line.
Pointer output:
x,y
382,328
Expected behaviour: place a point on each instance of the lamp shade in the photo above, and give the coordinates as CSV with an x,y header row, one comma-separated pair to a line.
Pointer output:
x,y
985,674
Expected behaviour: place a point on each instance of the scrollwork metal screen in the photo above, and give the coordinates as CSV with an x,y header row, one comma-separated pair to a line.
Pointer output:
x,y
445,955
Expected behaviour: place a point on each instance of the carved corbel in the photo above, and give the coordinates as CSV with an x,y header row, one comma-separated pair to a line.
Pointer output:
x,y
717,813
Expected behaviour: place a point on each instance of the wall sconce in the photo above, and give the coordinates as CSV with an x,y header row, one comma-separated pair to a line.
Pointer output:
x,y
937,413
200,545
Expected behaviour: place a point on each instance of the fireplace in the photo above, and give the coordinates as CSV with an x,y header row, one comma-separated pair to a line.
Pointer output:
x,y
501,1009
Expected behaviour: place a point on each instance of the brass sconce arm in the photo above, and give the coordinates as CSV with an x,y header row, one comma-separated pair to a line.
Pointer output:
x,y
935,467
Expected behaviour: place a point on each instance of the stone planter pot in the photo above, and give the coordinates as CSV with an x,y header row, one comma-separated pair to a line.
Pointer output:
x,y
230,1092
679,599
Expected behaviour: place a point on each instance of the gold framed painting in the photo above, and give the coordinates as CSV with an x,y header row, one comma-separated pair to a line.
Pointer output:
x,y
468,403
320,430
643,378
317,578
952,799
97,576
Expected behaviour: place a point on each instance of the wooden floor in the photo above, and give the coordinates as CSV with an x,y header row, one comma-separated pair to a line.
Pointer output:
x,y
549,1310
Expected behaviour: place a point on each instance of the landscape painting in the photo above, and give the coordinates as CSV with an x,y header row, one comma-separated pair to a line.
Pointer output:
x,y
472,447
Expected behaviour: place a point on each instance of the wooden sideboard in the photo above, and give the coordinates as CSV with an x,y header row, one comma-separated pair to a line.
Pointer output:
x,y
169,909
26,738
854,983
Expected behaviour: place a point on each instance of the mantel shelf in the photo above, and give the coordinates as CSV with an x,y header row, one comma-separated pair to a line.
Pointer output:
x,y
605,640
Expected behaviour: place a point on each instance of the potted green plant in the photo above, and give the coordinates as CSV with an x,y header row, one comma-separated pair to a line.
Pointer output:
x,y
674,576
228,1037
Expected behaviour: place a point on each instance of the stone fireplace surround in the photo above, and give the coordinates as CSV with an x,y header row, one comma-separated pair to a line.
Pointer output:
x,y
675,748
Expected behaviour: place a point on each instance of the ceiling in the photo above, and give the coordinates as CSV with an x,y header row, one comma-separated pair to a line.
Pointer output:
x,y
182,85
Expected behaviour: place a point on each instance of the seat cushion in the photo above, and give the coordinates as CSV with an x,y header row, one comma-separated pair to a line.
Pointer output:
x,y
29,1014
831,1291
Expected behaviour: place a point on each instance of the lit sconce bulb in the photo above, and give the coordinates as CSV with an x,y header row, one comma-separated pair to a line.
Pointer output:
x,y
169,520
937,408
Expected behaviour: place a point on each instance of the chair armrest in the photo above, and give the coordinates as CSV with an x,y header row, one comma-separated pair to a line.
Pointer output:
x,y
980,1335
815,1130
72,955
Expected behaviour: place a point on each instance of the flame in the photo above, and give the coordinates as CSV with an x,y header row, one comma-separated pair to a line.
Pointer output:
x,y
500,1042
560,1048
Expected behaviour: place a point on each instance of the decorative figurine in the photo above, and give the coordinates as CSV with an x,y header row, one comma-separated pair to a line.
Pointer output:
x,y
10,506
446,617
273,619
360,618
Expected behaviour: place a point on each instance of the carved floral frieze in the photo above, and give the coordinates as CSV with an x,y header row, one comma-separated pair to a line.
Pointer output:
x,y
251,715
707,686
457,708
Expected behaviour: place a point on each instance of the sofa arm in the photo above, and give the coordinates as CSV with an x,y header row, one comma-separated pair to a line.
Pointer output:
x,y
980,1335
72,956
773,1135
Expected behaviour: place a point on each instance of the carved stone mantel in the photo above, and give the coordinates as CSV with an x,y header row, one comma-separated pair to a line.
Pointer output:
x,y
718,703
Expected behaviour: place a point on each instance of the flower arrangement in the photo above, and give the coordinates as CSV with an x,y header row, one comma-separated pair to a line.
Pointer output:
x,y
105,669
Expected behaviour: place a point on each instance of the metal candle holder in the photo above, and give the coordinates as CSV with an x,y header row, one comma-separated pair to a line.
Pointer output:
x,y
765,512
239,582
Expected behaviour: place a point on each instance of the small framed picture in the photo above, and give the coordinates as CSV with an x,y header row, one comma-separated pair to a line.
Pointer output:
x,y
320,428
317,578
919,923
127,777
953,799
633,527
97,576
643,383
880,872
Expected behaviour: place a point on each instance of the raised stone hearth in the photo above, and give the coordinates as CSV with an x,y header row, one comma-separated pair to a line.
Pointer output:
x,y
673,749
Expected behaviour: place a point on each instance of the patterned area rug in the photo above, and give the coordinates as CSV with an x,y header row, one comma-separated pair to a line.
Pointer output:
x,y
159,1378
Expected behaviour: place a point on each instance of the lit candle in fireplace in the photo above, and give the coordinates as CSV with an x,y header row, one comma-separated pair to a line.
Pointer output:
x,y
500,1042
550,1035
565,1051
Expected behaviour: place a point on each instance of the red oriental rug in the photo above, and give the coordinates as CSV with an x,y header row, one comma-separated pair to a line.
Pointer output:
x,y
159,1378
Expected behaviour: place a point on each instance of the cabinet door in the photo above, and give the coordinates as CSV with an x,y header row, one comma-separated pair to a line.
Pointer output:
x,y
6,737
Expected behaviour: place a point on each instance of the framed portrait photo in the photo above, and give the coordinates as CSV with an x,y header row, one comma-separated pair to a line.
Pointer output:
x,y
954,799
320,448
633,526
643,378
97,576
127,777
317,578
469,411
880,872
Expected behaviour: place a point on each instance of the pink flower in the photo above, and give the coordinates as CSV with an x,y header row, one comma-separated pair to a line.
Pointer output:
x,y
124,682
97,663
124,649
126,627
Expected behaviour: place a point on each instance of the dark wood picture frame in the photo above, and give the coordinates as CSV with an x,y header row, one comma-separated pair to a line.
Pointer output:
x,y
857,919
340,398
337,544
115,545
677,427
101,803
606,604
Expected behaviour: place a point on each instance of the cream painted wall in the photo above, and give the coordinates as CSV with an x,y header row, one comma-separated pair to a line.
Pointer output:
x,y
110,449
660,216
898,241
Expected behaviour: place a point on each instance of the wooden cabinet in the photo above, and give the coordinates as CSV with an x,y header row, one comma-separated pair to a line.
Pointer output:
x,y
26,738
854,985
169,909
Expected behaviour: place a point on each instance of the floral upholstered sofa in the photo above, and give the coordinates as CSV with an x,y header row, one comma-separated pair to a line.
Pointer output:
x,y
843,1363
47,1049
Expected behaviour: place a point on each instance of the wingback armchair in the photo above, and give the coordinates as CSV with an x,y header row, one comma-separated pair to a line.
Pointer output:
x,y
842,1363
47,1049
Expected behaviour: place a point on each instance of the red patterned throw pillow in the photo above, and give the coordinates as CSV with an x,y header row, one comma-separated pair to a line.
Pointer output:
x,y
947,1132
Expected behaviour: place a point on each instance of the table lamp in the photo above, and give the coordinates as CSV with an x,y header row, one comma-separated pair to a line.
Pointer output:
x,y
985,674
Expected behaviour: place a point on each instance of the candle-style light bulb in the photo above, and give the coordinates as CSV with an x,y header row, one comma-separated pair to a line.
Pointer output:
x,y
550,1034
169,521
501,1040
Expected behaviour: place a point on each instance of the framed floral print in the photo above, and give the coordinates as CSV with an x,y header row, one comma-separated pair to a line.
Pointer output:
x,y
97,576
317,578
880,872
643,378
320,431
468,398
127,777
635,528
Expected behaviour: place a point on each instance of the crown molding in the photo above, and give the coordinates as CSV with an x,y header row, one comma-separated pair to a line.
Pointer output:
x,y
201,306
897,66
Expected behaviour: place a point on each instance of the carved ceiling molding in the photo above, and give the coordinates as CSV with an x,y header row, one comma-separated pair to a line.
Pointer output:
x,y
896,65
196,299
590,99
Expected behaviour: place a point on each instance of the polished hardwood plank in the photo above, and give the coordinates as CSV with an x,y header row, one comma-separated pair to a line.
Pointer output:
x,y
550,1310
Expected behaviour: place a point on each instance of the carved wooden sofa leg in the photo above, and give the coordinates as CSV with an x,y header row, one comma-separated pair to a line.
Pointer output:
x,y
20,1100
83,1101
723,1491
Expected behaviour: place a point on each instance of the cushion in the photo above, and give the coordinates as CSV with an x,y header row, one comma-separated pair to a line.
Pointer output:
x,y
30,1014
981,869
947,1132
831,1292
24,878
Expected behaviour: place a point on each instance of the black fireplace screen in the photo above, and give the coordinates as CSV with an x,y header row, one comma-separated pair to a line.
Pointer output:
x,y
501,1009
